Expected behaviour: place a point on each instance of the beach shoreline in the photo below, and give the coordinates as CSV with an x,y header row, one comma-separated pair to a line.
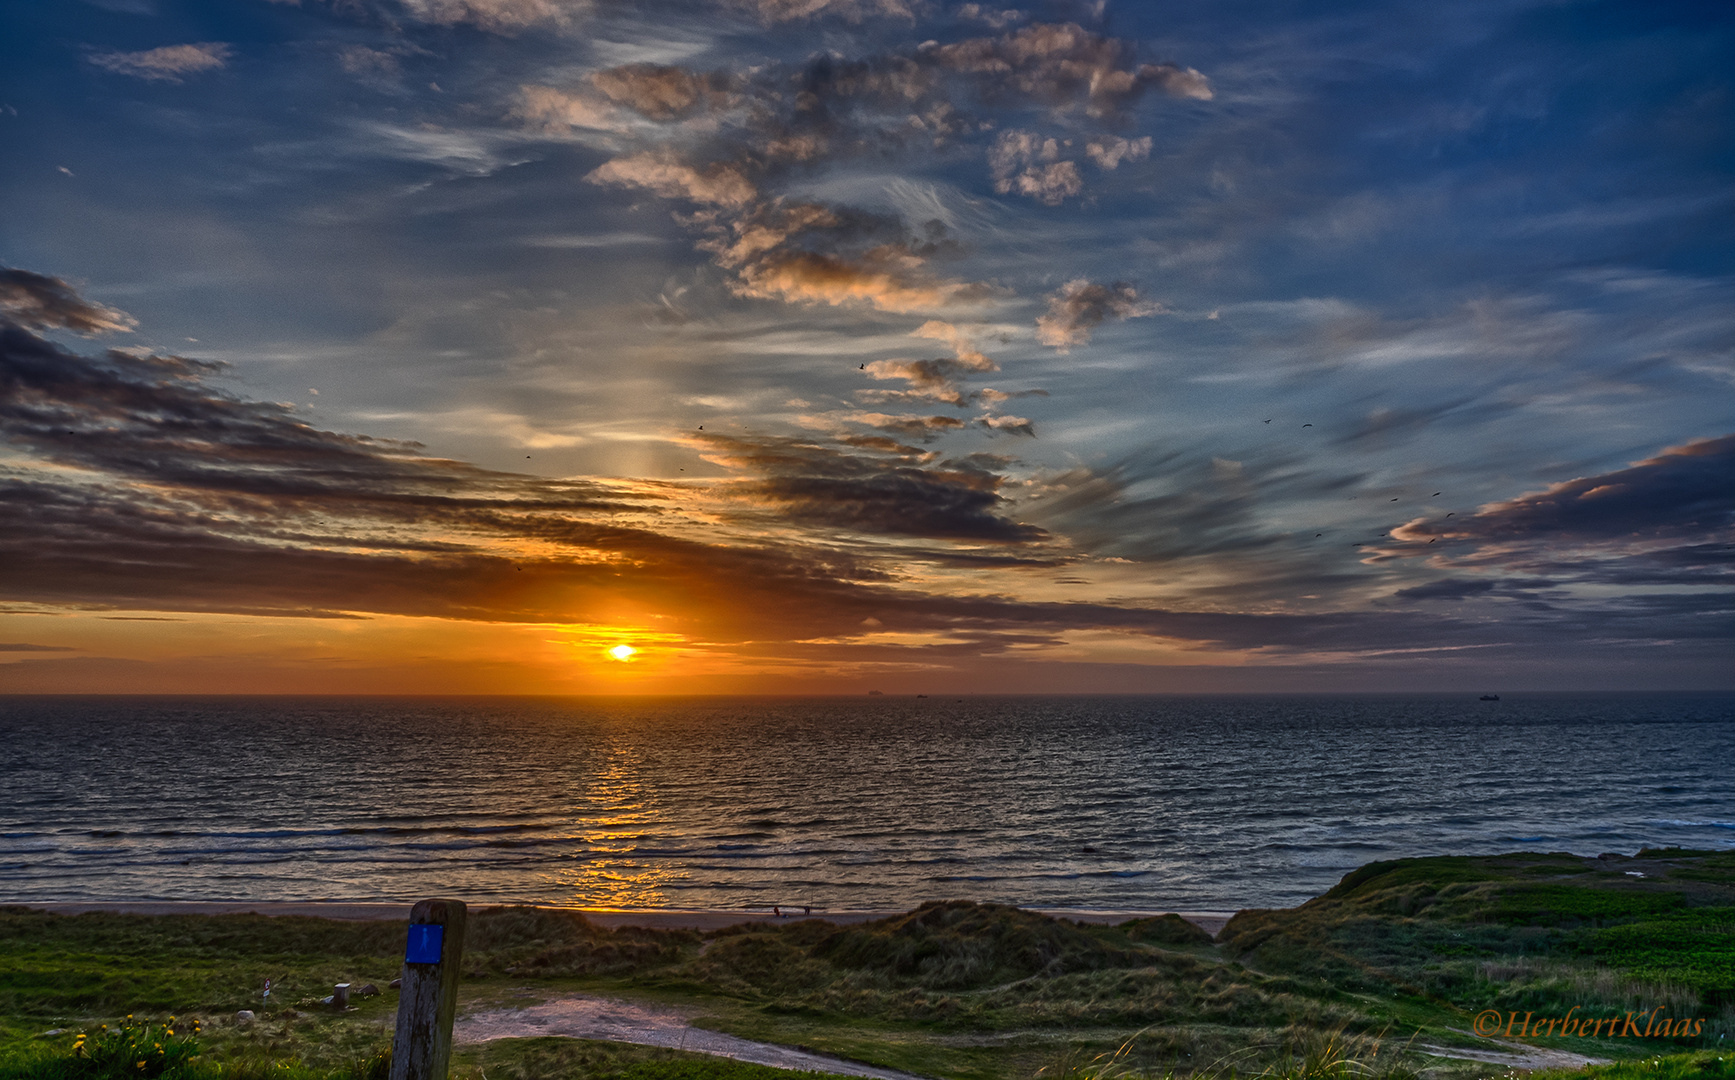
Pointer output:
x,y
647,918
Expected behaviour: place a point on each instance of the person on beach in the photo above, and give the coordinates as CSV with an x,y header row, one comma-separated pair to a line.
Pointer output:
x,y
776,912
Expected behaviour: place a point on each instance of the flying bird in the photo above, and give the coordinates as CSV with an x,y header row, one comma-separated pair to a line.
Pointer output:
x,y
1318,534
1448,515
1435,495
1435,538
1394,500
1307,425
1269,421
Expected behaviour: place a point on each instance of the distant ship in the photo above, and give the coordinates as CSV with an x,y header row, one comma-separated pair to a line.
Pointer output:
x,y
1489,697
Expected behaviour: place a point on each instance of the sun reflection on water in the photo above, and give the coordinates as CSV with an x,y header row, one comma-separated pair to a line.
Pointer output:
x,y
616,815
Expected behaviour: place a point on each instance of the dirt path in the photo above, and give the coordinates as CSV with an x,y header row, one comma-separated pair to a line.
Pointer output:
x,y
581,1016
1515,1055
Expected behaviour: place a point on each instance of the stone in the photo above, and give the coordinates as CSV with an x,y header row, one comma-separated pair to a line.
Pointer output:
x,y
396,984
367,990
245,1016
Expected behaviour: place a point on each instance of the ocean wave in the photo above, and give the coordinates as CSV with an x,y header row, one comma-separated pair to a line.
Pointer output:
x,y
1220,800
345,830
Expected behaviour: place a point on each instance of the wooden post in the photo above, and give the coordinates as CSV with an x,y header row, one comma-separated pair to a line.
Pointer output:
x,y
428,1001
340,996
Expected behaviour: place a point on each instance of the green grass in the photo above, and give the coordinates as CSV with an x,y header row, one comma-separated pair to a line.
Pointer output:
x,y
958,990
1706,1065
1694,949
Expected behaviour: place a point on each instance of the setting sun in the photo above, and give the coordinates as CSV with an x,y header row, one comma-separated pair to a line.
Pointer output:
x,y
622,652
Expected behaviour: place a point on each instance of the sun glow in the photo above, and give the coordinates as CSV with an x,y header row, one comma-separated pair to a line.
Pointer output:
x,y
623,652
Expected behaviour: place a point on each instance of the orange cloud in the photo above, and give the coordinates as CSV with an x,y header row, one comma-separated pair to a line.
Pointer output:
x,y
1080,306
888,278
718,184
550,109
499,16
662,92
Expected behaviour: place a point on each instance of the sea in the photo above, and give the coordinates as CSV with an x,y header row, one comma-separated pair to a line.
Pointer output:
x,y
1210,803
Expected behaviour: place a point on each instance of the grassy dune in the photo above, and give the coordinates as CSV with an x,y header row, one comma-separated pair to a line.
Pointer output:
x,y
1400,955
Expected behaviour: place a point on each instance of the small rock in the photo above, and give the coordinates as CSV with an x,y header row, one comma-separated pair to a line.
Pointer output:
x,y
326,1000
396,984
50,1033
245,1016
367,990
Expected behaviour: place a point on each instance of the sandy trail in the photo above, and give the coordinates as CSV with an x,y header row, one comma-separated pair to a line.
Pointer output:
x,y
1515,1055
581,1016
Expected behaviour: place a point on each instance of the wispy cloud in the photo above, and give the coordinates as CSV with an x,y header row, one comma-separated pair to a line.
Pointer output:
x,y
170,63
499,16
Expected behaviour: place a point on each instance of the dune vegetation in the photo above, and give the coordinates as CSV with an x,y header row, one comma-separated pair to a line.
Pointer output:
x,y
1379,977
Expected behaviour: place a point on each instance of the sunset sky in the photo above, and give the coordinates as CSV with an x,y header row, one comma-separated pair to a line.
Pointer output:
x,y
575,346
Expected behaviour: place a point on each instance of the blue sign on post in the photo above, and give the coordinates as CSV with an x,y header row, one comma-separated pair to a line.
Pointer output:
x,y
424,943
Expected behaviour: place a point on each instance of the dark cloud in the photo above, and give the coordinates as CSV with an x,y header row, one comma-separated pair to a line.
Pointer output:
x,y
925,428
18,646
1665,521
1684,492
137,486
825,485
153,419
1165,506
40,302
1467,588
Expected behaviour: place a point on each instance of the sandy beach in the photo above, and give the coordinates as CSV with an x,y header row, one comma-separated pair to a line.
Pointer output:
x,y
690,919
